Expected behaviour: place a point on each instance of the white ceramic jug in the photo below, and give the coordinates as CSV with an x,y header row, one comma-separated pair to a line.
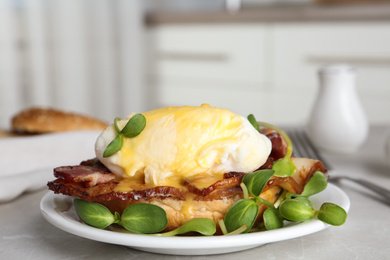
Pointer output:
x,y
337,122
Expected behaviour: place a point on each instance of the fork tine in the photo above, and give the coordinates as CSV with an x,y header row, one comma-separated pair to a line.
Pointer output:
x,y
315,151
303,147
306,145
297,148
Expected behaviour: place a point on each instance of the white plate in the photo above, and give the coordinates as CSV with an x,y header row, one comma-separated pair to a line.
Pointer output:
x,y
59,210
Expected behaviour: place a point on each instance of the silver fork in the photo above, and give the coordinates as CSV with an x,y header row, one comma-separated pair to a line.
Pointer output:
x,y
303,147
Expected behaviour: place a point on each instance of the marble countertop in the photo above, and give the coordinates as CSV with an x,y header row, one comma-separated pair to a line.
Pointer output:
x,y
25,234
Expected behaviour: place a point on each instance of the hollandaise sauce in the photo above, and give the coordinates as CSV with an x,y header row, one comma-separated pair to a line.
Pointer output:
x,y
197,144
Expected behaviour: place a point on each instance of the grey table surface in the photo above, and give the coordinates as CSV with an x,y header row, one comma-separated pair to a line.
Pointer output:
x,y
25,234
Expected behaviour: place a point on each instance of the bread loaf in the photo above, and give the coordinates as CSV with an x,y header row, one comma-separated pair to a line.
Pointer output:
x,y
38,120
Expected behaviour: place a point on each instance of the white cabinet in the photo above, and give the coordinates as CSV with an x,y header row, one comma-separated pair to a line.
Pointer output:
x,y
269,69
225,66
300,49
217,53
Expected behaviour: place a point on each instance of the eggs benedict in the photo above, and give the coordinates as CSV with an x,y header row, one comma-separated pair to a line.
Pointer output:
x,y
190,161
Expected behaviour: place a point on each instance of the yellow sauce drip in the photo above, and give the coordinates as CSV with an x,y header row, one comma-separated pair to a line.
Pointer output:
x,y
202,181
199,181
134,183
187,210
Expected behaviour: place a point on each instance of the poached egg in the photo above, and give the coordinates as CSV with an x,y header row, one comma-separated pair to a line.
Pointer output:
x,y
186,143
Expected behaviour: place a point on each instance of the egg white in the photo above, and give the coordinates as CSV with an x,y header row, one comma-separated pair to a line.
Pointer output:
x,y
182,142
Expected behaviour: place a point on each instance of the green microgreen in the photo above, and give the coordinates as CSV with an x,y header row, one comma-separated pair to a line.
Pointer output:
x,y
272,219
235,232
140,218
144,218
114,146
245,192
243,212
283,167
296,210
239,230
117,130
317,183
203,226
291,206
223,228
304,200
94,214
133,128
298,207
332,214
256,181
252,120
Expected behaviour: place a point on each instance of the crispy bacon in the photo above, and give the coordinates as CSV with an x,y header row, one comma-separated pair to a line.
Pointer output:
x,y
230,180
227,187
78,189
279,146
92,181
105,191
305,170
88,175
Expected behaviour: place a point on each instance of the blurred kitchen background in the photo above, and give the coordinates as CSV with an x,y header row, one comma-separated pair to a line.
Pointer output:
x,y
108,58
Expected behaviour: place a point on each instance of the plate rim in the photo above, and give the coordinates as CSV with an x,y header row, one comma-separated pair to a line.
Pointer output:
x,y
142,241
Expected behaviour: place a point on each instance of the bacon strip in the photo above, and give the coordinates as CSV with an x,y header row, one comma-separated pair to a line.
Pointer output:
x,y
227,187
296,183
92,181
105,192
279,146
230,180
88,175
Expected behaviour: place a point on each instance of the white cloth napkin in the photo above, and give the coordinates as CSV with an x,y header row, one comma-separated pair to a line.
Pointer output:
x,y
26,163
